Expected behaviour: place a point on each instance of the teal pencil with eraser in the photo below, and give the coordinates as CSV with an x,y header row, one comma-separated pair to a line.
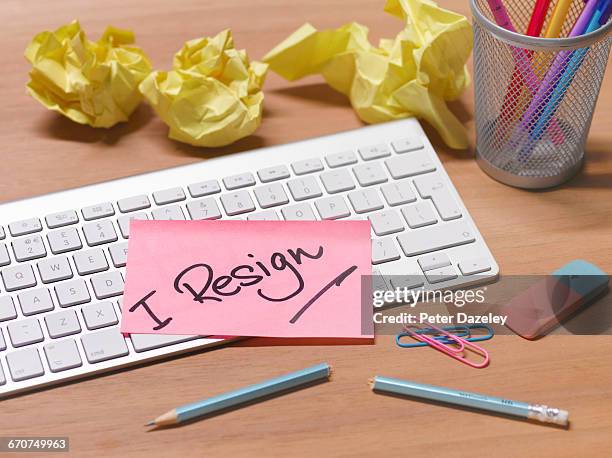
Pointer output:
x,y
536,412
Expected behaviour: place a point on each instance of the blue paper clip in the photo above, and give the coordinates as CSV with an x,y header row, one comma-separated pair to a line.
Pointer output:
x,y
460,331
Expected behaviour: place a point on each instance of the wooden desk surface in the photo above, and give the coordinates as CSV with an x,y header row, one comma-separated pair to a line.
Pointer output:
x,y
528,232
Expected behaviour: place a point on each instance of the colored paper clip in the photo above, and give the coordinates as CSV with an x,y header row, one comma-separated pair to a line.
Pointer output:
x,y
460,331
454,352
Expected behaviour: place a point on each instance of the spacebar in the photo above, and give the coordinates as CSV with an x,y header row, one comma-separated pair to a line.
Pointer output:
x,y
144,342
436,238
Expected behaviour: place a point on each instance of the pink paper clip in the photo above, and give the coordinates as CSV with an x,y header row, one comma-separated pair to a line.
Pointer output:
x,y
454,352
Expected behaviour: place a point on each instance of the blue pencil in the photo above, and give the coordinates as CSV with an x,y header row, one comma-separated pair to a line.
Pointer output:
x,y
599,18
537,412
243,395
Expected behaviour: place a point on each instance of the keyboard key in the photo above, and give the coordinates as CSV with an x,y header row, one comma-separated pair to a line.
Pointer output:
x,y
441,274
99,233
368,153
384,250
104,345
26,226
204,188
145,342
236,203
204,209
18,277
436,238
64,240
370,174
135,203
408,144
386,222
398,193
62,324
54,269
332,207
90,261
169,196
118,252
409,165
434,261
61,219
2,234
25,332
433,187
307,166
242,180
267,215
409,281
271,195
419,215
107,285
474,266
72,292
299,212
24,364
269,174
2,342
378,281
304,188
5,259
98,211
124,222
339,159
28,248
2,376
7,308
171,213
99,315
365,200
62,355
337,181
35,301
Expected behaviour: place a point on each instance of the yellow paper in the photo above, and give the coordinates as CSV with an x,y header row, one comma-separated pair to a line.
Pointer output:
x,y
93,83
212,97
413,74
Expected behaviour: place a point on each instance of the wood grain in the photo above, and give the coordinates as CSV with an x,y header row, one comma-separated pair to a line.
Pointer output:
x,y
528,232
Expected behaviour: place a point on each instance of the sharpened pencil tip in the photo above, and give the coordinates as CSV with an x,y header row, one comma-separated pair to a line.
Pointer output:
x,y
151,423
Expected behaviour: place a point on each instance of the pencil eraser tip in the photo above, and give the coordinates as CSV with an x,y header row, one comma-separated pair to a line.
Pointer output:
x,y
547,414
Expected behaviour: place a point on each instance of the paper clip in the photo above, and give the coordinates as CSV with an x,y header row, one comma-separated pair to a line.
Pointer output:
x,y
454,352
463,331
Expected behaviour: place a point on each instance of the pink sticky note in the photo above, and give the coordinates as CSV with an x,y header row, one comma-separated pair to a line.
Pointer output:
x,y
248,278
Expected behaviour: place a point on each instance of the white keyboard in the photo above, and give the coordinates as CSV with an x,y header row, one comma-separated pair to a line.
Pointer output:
x,y
62,255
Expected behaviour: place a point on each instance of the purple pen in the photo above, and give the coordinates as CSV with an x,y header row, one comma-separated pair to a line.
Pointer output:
x,y
551,78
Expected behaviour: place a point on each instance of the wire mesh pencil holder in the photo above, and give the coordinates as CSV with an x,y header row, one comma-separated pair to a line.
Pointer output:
x,y
534,97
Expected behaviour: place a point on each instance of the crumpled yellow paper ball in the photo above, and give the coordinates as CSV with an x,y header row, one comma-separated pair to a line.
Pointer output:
x,y
213,96
93,83
413,74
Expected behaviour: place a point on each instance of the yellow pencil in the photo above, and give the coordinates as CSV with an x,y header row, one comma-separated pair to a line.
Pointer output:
x,y
557,19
